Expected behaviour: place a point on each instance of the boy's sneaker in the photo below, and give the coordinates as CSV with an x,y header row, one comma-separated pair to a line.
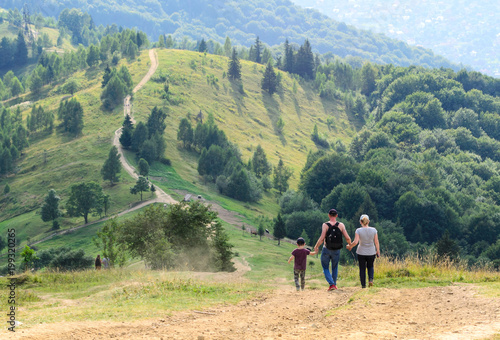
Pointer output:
x,y
332,287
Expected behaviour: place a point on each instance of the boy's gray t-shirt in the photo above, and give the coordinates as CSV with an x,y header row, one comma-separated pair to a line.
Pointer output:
x,y
366,241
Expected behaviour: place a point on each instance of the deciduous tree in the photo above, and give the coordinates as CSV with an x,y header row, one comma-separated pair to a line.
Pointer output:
x,y
84,199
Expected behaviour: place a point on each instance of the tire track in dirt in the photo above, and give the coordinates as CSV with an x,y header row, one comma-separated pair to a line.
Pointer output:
x,y
453,312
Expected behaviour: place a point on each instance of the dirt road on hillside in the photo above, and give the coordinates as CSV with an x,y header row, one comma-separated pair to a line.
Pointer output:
x,y
161,196
454,312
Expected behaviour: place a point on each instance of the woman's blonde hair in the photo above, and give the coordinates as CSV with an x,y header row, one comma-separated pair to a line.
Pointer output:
x,y
364,219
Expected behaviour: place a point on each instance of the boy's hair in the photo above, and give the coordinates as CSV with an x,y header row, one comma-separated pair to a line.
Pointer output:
x,y
300,241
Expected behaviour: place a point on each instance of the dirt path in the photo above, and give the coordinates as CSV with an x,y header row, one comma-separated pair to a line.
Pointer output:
x,y
161,196
453,312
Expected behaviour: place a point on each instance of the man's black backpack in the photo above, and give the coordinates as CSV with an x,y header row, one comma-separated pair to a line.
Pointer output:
x,y
333,236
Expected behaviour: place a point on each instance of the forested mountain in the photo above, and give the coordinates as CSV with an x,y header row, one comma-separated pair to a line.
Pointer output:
x,y
462,31
417,149
242,21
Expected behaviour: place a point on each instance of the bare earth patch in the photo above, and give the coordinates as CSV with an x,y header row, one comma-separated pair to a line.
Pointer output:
x,y
453,312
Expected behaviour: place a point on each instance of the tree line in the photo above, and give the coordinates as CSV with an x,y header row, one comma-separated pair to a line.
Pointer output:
x,y
178,21
425,167
220,162
106,45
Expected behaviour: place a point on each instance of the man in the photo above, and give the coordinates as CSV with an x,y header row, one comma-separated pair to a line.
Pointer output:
x,y
331,238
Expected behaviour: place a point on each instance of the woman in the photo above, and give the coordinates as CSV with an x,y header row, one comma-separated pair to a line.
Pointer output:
x,y
368,248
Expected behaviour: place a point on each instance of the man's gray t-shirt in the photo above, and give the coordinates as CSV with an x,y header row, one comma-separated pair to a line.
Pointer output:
x,y
366,241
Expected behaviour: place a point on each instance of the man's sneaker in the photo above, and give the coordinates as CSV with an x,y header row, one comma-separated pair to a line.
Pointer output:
x,y
332,287
370,284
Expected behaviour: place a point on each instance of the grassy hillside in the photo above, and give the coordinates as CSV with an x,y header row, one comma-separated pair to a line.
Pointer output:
x,y
58,160
10,31
248,118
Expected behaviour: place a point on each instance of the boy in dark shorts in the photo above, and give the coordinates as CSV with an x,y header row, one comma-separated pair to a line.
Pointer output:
x,y
299,266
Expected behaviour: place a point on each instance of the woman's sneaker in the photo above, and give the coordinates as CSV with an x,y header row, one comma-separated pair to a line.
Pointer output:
x,y
332,287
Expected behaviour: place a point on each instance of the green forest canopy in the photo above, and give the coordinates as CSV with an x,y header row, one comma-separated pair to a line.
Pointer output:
x,y
274,21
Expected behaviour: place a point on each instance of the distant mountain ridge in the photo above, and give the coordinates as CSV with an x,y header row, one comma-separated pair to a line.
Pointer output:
x,y
462,31
273,21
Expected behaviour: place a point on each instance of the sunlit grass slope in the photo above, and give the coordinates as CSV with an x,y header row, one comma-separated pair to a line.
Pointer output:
x,y
198,83
249,118
59,160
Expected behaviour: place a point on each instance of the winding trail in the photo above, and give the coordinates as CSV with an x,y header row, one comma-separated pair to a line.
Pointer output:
x,y
161,196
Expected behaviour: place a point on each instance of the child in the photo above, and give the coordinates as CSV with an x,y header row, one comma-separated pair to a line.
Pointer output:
x,y
299,267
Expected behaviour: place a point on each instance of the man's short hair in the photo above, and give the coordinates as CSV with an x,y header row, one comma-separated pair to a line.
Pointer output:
x,y
333,212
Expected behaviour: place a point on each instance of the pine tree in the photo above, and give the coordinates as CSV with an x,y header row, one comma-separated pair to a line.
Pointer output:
x,y
259,162
112,166
234,70
279,231
368,84
16,87
304,63
93,55
227,47
257,51
141,186
269,81
126,77
281,176
50,208
156,121
266,55
126,138
261,231
161,41
21,54
288,57
71,113
127,123
114,92
203,46
169,42
106,76
36,84
139,136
